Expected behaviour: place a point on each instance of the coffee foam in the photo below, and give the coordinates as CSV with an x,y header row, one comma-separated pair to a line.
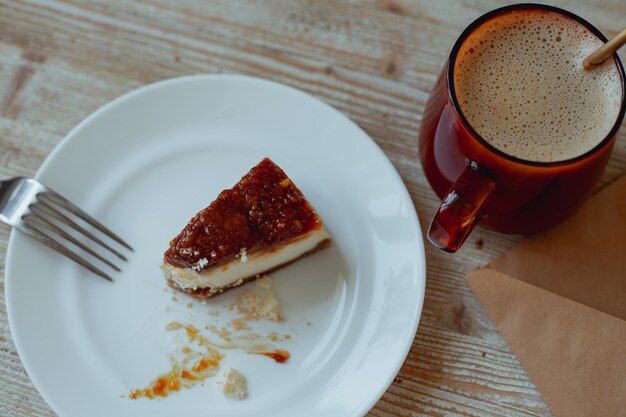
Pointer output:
x,y
521,85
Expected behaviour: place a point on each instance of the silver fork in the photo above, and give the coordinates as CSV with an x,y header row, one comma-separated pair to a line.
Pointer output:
x,y
41,213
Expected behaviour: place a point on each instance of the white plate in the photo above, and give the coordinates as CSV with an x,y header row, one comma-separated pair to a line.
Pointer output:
x,y
148,161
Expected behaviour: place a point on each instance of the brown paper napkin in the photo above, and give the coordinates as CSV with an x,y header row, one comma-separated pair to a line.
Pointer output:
x,y
559,300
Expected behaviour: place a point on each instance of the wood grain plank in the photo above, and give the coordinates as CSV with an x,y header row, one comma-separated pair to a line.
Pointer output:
x,y
375,61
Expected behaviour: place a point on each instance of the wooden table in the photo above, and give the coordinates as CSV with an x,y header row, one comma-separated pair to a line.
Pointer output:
x,y
376,61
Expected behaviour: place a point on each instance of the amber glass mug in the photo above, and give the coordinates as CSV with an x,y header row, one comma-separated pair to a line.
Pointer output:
x,y
479,183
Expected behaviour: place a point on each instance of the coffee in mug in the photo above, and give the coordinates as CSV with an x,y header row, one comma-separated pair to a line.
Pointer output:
x,y
520,84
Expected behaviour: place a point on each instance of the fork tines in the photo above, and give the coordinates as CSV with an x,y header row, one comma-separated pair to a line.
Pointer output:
x,y
51,219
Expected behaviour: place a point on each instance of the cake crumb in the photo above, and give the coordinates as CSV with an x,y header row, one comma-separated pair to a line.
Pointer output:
x,y
199,266
264,282
189,305
225,335
244,255
249,337
233,385
174,298
259,347
174,325
287,337
239,324
254,306
222,332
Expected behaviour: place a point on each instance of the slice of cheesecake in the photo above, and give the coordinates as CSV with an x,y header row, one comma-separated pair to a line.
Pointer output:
x,y
260,225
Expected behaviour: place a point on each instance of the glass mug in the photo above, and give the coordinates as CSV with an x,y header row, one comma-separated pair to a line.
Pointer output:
x,y
479,183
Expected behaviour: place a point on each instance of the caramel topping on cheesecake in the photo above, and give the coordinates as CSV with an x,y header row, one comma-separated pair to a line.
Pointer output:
x,y
262,210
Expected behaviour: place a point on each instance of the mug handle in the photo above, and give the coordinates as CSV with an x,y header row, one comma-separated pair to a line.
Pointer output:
x,y
459,211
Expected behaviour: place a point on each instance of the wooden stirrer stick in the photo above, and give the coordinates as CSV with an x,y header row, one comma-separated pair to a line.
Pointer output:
x,y
605,51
